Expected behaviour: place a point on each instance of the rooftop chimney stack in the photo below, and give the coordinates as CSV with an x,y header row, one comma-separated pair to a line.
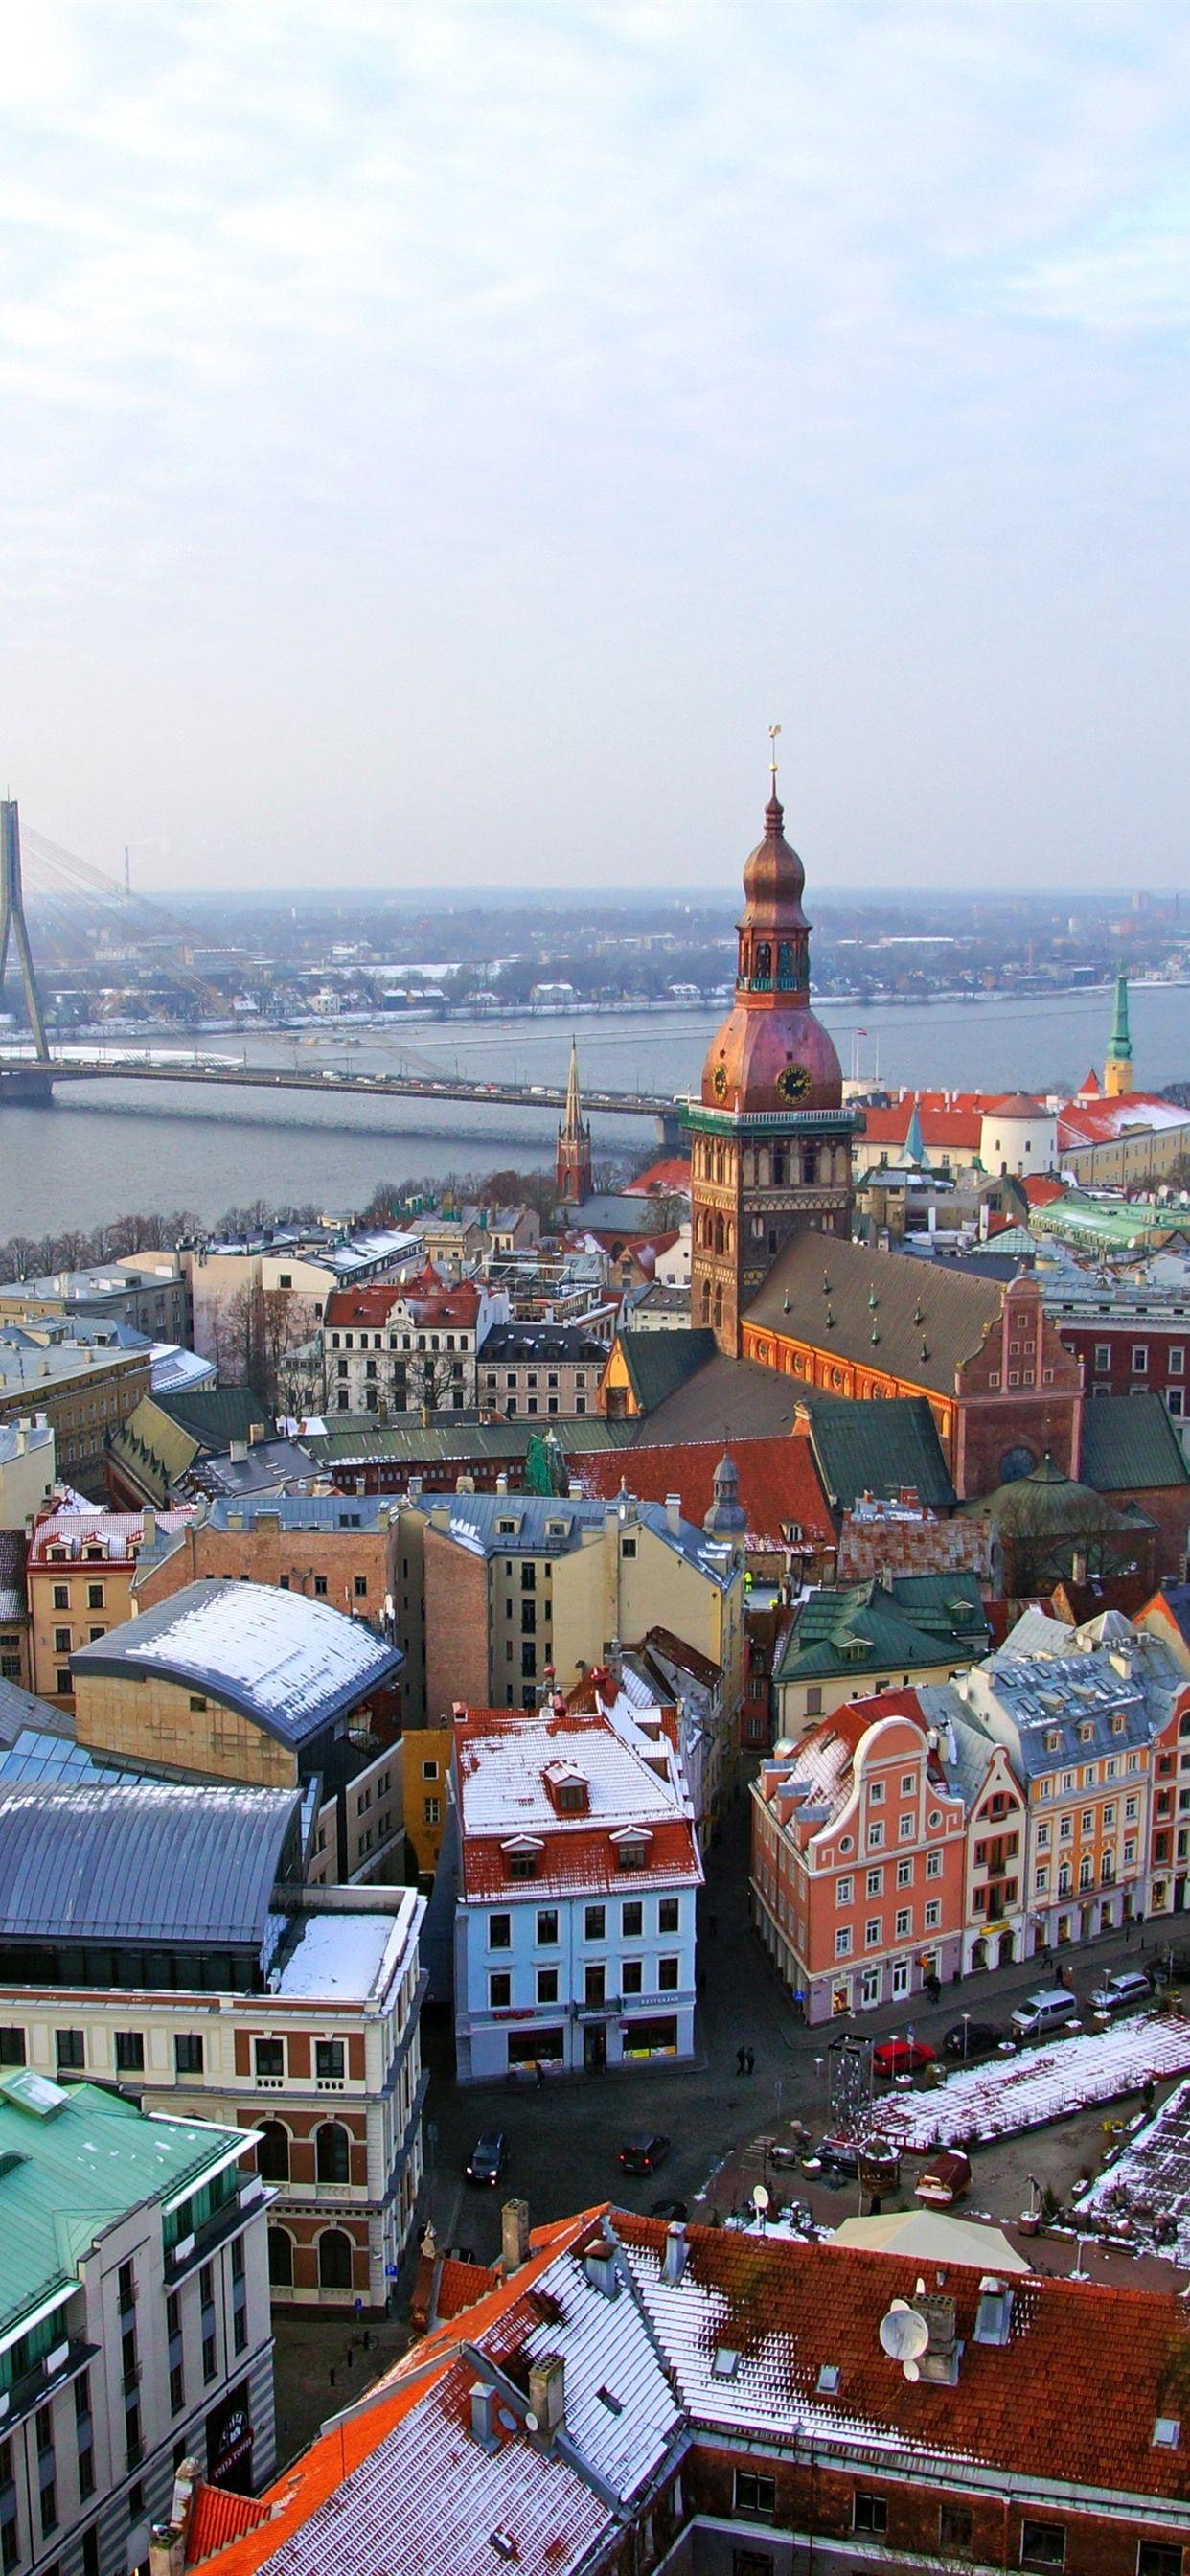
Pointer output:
x,y
514,2235
673,1514
547,2393
676,2250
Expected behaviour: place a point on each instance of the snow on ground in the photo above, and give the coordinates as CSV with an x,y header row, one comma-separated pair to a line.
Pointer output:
x,y
1145,2194
1043,2084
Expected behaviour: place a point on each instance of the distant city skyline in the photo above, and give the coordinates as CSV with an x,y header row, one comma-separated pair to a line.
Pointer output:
x,y
440,443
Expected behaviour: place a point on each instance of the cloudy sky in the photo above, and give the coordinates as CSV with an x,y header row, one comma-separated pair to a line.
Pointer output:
x,y
438,442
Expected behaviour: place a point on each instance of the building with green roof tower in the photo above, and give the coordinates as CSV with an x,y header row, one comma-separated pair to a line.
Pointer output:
x,y
1117,1069
134,2321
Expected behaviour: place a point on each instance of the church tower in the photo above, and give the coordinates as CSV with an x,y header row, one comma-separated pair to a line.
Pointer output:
x,y
770,1139
573,1164
1117,1070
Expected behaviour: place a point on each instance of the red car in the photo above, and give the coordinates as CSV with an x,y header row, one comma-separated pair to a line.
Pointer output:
x,y
901,2057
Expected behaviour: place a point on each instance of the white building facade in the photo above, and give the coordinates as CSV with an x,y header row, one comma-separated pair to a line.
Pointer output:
x,y
578,1874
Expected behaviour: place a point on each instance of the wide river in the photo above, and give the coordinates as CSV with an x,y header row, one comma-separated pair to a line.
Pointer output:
x,y
107,1149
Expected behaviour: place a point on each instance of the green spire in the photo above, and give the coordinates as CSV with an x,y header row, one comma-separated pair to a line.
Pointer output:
x,y
1120,1044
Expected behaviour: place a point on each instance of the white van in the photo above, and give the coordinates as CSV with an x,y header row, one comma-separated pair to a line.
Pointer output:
x,y
1052,2009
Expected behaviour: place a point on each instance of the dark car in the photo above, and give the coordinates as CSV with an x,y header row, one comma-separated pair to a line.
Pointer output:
x,y
643,2154
901,2057
667,2209
486,2161
967,2039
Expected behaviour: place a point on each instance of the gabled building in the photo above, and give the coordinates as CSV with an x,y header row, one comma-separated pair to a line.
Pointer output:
x,y
847,1321
888,1633
396,1349
578,1873
858,1859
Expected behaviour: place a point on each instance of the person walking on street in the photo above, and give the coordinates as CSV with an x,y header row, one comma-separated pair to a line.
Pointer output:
x,y
741,2060
750,2060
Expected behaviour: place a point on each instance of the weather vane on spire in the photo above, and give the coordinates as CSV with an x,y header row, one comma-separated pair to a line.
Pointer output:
x,y
774,738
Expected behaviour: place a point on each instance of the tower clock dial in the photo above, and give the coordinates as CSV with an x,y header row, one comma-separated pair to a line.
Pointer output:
x,y
719,1082
794,1082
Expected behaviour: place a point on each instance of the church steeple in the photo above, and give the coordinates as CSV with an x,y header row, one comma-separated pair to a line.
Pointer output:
x,y
1117,1070
573,1165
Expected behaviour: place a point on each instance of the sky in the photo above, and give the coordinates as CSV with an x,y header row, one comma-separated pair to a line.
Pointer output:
x,y
439,442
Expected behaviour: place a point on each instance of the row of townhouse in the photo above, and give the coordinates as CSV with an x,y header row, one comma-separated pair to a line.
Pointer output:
x,y
934,1833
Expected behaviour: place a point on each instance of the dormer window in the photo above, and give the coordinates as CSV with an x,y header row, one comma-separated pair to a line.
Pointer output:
x,y
631,1847
522,1854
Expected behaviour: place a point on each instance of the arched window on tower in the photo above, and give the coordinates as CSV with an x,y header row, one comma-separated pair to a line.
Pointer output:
x,y
764,962
706,1301
779,1169
718,1308
743,973
810,1163
718,1162
719,1235
785,963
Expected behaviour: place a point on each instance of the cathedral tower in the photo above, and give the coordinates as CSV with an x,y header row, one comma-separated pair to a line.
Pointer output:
x,y
573,1163
1117,1070
770,1139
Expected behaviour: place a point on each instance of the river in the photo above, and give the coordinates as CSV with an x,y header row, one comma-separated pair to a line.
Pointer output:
x,y
107,1149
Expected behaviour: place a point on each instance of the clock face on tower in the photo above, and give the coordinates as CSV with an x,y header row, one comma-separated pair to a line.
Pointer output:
x,y
719,1082
794,1082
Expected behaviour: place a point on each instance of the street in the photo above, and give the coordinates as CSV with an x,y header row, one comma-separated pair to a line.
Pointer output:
x,y
563,2140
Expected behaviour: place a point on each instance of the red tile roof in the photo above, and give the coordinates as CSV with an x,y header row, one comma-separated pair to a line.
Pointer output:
x,y
429,1297
778,1482
941,1126
216,2517
1041,1189
667,1179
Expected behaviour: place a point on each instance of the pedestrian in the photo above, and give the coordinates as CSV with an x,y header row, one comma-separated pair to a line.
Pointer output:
x,y
741,2061
751,2061
539,2072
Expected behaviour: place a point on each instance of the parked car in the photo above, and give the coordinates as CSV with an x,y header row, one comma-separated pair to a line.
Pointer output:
x,y
843,2156
901,2057
643,2153
967,2039
488,2157
1051,2010
945,2180
1121,1990
667,2209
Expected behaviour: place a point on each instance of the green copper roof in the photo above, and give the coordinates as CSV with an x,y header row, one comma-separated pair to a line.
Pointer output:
x,y
1120,1043
900,1625
73,2161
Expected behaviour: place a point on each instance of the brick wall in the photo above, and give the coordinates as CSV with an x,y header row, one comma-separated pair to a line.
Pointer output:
x,y
456,1598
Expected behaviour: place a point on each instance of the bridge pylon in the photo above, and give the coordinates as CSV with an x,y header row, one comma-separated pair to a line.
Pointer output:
x,y
13,925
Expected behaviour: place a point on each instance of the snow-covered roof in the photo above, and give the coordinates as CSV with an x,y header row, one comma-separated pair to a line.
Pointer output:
x,y
1008,2094
352,1958
291,1664
507,1770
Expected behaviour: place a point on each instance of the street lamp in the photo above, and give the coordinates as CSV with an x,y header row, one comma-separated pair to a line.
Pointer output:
x,y
966,2022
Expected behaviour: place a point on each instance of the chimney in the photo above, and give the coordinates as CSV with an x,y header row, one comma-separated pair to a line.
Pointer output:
x,y
514,2236
502,1483
676,2249
237,1452
167,2543
483,2411
547,2393
673,1514
1078,1566
574,1491
256,1431
148,1526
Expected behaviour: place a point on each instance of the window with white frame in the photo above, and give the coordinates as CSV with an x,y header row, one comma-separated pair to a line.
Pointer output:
x,y
904,1921
843,1941
876,1837
933,1914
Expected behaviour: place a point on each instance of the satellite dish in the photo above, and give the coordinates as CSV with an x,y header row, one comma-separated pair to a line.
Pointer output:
x,y
760,2198
911,2369
903,2334
530,2421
